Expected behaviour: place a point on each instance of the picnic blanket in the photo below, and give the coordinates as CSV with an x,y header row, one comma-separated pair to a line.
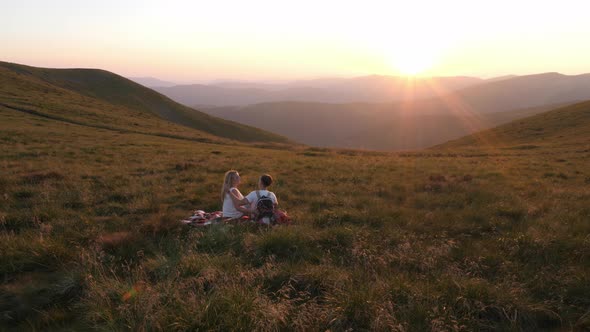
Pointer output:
x,y
202,218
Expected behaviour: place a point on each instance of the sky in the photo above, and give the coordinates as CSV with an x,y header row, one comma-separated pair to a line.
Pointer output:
x,y
188,41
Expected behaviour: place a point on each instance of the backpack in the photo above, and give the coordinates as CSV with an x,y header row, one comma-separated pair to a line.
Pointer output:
x,y
265,207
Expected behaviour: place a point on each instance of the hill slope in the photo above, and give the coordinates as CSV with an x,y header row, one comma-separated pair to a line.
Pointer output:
x,y
101,97
563,126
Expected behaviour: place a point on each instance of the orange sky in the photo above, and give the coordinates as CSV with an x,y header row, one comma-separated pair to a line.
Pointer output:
x,y
204,40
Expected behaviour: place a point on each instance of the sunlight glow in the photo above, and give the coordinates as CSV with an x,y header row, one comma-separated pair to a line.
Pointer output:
x,y
263,39
412,61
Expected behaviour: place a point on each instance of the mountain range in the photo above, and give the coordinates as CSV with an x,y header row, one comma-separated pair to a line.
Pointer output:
x,y
462,105
413,123
373,88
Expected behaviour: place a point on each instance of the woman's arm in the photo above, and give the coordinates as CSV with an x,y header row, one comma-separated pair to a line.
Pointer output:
x,y
243,210
237,198
235,195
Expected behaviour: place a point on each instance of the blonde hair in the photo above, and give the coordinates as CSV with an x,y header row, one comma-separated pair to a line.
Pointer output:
x,y
228,181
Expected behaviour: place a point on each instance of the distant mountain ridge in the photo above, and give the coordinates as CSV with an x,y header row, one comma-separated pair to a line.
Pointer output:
x,y
415,123
152,82
526,91
372,88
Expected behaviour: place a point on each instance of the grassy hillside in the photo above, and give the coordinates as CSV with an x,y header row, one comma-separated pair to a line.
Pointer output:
x,y
569,125
102,98
492,239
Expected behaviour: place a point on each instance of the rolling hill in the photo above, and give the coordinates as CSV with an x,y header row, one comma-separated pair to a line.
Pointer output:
x,y
103,99
565,126
414,123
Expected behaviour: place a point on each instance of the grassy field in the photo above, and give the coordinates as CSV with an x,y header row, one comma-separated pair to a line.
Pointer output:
x,y
462,239
452,238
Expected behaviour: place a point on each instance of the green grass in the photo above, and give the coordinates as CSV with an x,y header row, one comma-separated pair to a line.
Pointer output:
x,y
463,239
565,126
102,99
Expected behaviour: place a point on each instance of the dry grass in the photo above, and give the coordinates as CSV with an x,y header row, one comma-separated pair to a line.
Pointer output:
x,y
458,240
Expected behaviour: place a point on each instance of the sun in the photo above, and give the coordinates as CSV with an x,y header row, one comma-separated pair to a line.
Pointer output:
x,y
413,54
411,60
409,48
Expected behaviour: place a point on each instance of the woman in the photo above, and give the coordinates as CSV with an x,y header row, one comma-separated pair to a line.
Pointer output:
x,y
229,190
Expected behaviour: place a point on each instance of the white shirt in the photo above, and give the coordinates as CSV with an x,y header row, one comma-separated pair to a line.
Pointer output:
x,y
229,209
253,198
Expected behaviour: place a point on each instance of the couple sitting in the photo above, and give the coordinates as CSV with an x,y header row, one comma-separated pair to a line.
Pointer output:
x,y
259,204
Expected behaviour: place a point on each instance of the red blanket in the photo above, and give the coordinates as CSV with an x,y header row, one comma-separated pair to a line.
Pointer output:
x,y
202,218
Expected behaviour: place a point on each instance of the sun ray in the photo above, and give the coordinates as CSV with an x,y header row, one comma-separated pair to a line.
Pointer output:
x,y
487,139
473,121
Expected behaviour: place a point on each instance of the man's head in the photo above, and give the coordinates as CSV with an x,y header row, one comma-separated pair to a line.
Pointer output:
x,y
265,181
